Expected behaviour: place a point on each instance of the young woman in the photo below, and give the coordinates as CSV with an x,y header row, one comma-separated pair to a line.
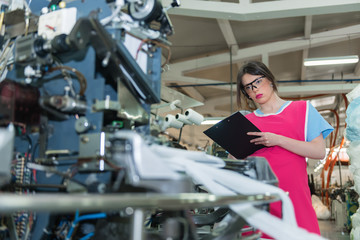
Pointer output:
x,y
291,132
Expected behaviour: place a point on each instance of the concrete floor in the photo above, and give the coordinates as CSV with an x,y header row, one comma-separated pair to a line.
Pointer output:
x,y
330,231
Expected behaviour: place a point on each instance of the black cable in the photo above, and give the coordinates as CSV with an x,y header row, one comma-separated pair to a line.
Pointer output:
x,y
29,151
34,151
54,2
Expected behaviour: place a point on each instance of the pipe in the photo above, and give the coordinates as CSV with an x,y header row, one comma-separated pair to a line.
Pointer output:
x,y
231,81
332,143
280,81
331,162
10,203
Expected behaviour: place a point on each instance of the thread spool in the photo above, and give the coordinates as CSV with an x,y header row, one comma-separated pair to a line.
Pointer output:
x,y
170,121
194,116
182,118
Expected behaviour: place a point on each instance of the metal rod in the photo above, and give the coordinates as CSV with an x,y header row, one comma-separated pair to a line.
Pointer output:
x,y
37,185
138,232
12,227
231,81
339,162
280,81
62,202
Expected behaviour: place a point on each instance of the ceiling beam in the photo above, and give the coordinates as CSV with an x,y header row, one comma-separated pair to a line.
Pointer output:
x,y
193,82
259,11
307,35
308,26
211,104
316,89
172,78
328,88
305,54
265,58
228,34
289,45
357,70
193,93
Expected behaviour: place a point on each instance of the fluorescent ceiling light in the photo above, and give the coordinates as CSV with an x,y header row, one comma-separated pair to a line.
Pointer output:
x,y
211,120
331,60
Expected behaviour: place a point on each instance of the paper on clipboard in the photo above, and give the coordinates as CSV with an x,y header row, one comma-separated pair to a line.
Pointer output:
x,y
231,134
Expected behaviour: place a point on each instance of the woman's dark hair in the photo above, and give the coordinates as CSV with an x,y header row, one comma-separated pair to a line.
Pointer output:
x,y
253,68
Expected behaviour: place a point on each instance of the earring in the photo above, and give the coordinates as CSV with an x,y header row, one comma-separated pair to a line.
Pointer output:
x,y
271,85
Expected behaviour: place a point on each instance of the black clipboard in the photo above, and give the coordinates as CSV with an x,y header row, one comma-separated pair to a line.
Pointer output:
x,y
231,134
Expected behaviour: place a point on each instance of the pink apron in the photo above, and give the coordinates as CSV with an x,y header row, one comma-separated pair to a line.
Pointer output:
x,y
290,168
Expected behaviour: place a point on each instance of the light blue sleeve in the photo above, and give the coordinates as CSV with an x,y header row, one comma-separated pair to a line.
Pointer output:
x,y
316,124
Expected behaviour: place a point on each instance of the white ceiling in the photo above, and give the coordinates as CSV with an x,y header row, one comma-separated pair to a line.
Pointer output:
x,y
214,38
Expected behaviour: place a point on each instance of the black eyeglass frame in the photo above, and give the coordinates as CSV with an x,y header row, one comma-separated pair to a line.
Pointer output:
x,y
252,86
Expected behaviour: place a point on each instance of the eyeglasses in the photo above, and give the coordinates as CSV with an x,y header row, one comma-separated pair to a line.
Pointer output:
x,y
254,84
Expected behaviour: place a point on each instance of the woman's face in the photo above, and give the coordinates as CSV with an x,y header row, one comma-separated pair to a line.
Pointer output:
x,y
258,87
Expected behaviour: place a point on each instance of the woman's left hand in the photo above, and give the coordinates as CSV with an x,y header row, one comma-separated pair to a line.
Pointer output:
x,y
265,138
